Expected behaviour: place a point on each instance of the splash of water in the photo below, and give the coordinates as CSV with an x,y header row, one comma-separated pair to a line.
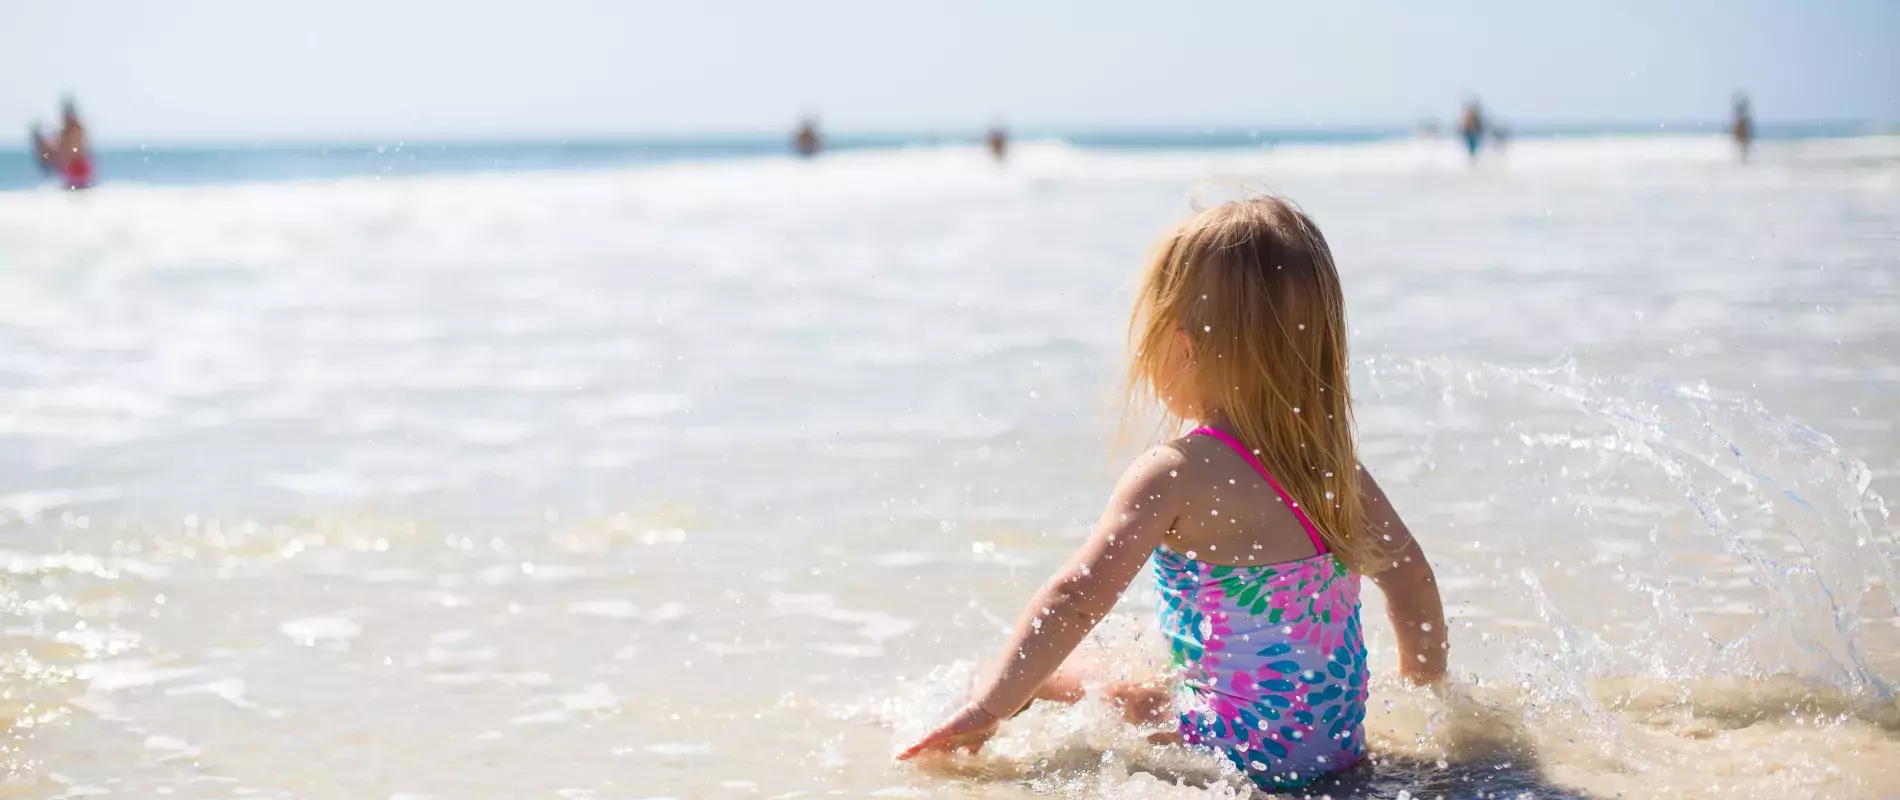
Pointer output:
x,y
1656,580
1783,497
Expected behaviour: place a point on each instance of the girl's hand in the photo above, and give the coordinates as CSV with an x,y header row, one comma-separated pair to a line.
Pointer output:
x,y
967,729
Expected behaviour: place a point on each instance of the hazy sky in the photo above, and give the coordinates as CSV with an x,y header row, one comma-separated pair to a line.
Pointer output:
x,y
284,69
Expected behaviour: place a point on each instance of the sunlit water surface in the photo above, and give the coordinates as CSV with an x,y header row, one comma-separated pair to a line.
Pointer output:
x,y
714,480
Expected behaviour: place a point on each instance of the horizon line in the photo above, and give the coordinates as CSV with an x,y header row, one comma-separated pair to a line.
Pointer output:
x,y
1516,127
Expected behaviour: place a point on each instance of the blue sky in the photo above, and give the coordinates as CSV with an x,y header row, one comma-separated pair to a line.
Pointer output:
x,y
289,70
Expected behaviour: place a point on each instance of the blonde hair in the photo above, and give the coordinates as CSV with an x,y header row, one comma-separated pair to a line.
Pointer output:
x,y
1252,285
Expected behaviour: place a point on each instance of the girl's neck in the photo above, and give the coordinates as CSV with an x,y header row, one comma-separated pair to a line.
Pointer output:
x,y
1214,419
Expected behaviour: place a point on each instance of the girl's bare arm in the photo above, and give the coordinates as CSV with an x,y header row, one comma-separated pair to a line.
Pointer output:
x,y
1142,510
1412,602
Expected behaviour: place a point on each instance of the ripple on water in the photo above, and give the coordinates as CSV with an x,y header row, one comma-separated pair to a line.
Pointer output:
x,y
611,609
332,630
595,698
874,625
679,748
230,690
667,612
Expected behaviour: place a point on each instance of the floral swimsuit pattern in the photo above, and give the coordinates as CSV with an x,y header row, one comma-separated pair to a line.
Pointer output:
x,y
1270,658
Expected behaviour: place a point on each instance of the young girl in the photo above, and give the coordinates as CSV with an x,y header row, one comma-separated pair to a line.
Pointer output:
x,y
1259,521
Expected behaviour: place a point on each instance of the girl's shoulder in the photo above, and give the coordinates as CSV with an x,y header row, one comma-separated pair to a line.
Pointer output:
x,y
1181,465
1198,452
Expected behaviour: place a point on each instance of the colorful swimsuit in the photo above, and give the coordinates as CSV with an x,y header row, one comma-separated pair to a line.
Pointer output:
x,y
1271,661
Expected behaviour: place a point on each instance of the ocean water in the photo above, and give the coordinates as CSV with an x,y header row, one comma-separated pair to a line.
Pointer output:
x,y
714,477
174,164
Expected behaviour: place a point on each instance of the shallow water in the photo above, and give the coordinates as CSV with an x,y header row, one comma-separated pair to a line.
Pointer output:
x,y
712,480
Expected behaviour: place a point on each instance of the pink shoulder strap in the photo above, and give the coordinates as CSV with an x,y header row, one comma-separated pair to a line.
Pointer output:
x,y
1312,532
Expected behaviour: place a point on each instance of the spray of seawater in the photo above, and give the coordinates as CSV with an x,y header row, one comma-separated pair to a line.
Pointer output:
x,y
1655,590
1710,584
1785,499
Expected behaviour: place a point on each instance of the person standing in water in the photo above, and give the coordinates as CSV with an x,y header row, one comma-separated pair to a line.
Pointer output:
x,y
74,151
1742,129
1471,126
998,142
1259,519
806,141
68,155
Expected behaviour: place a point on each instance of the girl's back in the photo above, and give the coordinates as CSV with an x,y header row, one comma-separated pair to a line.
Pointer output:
x,y
1262,622
1235,516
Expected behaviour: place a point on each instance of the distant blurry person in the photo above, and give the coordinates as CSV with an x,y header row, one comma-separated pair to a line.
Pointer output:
x,y
1743,128
72,153
1428,127
998,141
1471,126
806,142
